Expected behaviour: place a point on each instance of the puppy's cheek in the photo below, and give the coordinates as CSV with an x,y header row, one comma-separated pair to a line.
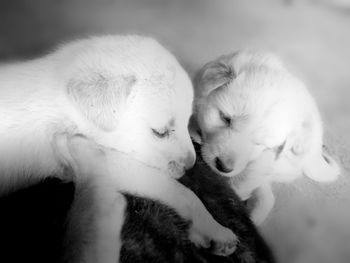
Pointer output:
x,y
257,152
160,161
152,156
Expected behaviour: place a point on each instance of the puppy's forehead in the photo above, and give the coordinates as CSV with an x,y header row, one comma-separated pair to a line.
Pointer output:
x,y
165,107
254,58
161,119
169,91
252,96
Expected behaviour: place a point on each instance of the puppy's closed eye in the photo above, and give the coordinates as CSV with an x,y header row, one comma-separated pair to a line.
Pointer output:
x,y
227,120
161,134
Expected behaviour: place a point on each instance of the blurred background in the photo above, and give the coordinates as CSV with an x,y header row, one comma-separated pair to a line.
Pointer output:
x,y
310,222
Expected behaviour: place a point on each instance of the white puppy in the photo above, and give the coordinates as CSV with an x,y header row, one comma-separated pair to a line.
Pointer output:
x,y
125,93
258,124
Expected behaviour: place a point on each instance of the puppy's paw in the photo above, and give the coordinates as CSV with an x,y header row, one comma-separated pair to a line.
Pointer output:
x,y
220,240
225,243
198,239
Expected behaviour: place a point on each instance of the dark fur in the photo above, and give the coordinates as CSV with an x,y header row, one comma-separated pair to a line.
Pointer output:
x,y
33,220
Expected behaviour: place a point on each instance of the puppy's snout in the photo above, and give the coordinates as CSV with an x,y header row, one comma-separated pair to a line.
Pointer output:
x,y
189,160
224,165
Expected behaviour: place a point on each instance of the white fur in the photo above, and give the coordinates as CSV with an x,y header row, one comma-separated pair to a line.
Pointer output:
x,y
116,91
275,133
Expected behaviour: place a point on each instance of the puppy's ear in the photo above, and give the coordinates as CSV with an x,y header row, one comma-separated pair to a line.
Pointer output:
x,y
100,96
212,76
194,130
322,167
318,165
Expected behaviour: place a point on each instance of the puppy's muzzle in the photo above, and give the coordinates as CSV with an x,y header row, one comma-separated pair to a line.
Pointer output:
x,y
178,168
224,165
189,160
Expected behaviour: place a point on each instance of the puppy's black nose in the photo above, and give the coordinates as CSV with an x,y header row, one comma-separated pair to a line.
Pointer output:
x,y
225,167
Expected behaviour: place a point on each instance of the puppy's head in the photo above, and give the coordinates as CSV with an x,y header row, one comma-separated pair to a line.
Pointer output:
x,y
137,98
246,103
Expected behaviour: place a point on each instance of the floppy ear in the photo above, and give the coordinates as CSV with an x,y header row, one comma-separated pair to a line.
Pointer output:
x,y
317,164
212,76
322,167
194,129
100,97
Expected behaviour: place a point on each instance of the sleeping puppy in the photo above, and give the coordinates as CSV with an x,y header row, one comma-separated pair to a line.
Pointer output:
x,y
128,94
258,124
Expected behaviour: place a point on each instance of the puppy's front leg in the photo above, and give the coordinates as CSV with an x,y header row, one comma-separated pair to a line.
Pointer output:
x,y
106,244
95,221
264,201
158,186
128,175
97,214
